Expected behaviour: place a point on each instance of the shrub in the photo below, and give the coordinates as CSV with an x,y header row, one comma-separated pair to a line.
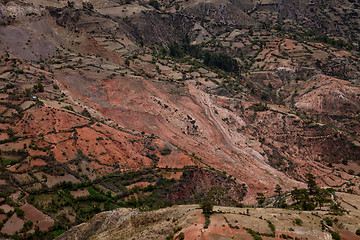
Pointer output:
x,y
298,221
253,234
260,198
69,107
335,235
207,220
86,113
181,236
271,226
284,236
155,4
9,86
88,6
70,4
170,236
19,212
39,87
259,107
165,151
328,221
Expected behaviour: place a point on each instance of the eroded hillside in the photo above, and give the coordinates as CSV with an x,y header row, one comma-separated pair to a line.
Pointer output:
x,y
225,223
109,104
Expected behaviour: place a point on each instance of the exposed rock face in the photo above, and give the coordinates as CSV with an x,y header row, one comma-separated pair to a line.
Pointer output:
x,y
121,223
119,218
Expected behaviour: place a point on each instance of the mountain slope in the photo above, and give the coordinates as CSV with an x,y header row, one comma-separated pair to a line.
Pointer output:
x,y
134,102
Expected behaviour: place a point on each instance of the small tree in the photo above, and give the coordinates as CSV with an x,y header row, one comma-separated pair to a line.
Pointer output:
x,y
260,198
88,6
70,4
207,206
311,183
278,190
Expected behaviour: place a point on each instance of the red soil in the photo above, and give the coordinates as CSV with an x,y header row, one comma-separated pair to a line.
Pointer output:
x,y
37,162
80,193
37,217
13,225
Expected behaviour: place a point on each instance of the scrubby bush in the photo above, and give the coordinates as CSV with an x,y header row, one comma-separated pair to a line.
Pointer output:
x,y
328,221
181,236
165,151
335,235
298,221
155,4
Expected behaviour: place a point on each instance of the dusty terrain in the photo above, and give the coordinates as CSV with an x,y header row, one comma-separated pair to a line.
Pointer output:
x,y
98,112
225,223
